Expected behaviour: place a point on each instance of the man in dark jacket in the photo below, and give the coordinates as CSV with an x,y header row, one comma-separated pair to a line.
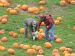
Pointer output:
x,y
49,23
31,25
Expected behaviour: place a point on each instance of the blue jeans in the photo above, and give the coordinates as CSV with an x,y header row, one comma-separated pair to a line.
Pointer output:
x,y
51,37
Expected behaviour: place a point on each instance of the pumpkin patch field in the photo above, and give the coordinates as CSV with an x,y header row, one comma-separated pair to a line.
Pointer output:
x,y
13,13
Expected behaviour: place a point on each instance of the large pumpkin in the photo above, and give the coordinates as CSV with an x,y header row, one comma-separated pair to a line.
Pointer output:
x,y
47,45
31,51
11,51
21,30
4,39
15,45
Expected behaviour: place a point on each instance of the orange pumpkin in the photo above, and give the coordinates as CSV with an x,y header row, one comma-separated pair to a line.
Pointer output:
x,y
11,51
21,46
31,51
72,54
34,47
59,18
26,47
6,4
11,33
68,49
30,9
1,4
40,36
2,31
42,24
47,45
65,52
55,37
5,17
62,3
58,40
35,10
42,2
24,7
62,48
1,43
2,48
40,52
55,52
21,30
4,39
42,8
15,45
12,11
40,55
3,21
57,22
74,28
41,30
72,1
38,48
15,35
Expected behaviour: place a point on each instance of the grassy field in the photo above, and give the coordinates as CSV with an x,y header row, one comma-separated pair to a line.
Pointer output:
x,y
64,30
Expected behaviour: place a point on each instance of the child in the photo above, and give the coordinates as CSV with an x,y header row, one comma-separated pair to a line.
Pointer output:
x,y
48,20
32,25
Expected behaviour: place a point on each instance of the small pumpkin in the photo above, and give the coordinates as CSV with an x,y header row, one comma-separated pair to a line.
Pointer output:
x,y
15,35
57,22
47,45
34,47
11,33
2,48
72,1
55,37
40,36
11,51
41,30
38,48
21,46
26,47
40,55
59,18
31,51
15,45
22,30
4,39
40,52
42,2
58,40
62,48
42,23
3,21
24,7
55,52
42,8
2,31
1,43
74,28
62,3
6,4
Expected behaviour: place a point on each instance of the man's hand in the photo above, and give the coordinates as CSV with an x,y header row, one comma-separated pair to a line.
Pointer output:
x,y
47,26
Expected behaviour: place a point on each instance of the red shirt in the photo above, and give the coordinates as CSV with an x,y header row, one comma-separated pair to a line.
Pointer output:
x,y
48,20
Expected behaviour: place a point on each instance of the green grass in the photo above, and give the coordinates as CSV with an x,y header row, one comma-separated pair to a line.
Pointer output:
x,y
64,30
